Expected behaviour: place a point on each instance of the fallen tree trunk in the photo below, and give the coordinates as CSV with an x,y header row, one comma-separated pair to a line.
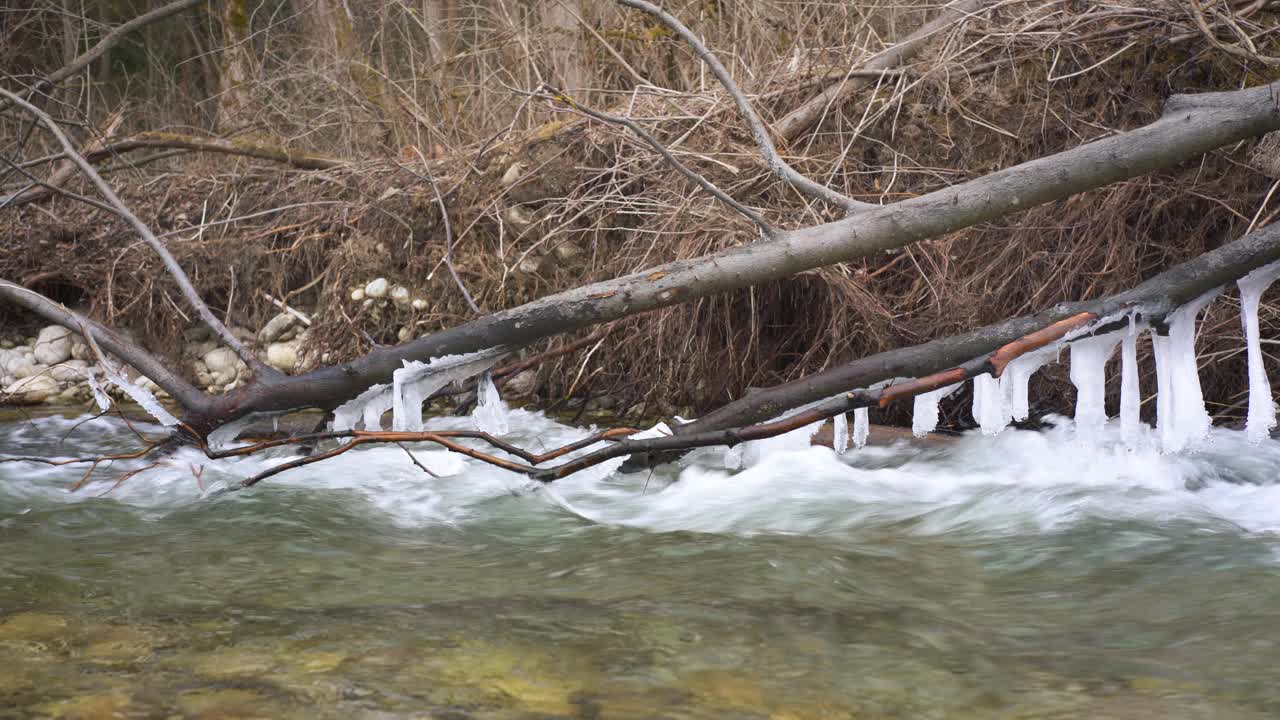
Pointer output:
x,y
1190,126
932,365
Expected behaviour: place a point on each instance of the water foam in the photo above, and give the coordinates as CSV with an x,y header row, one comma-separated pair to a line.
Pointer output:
x,y
1016,482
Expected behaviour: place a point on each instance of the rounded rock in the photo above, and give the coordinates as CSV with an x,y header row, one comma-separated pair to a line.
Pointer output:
x,y
32,390
377,288
53,345
283,356
276,327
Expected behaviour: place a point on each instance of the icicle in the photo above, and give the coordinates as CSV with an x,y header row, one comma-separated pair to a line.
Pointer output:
x,y
1184,419
990,407
1089,374
347,415
416,381
225,435
924,413
861,427
491,411
840,433
1016,378
1130,392
373,410
1262,410
99,395
139,395
733,457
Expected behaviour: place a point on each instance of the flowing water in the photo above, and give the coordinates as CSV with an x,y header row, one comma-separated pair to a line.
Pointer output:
x,y
1016,576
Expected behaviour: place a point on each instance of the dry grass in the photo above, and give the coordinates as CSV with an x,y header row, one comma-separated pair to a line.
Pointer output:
x,y
593,202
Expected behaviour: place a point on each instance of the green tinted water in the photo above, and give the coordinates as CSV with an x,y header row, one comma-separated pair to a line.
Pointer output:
x,y
985,580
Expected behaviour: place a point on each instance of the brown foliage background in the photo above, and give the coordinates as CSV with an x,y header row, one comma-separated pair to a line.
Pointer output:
x,y
558,200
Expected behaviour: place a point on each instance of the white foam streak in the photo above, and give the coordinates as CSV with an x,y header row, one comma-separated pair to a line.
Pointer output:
x,y
1015,482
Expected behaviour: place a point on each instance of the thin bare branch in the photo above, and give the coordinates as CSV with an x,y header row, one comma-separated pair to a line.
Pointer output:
x,y
796,122
559,97
107,42
758,130
122,210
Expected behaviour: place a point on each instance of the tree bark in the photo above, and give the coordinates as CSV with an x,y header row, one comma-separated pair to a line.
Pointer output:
x,y
1190,126
235,106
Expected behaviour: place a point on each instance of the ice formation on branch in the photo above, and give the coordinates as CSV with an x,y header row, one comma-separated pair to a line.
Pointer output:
x,y
924,412
991,407
491,413
1089,374
1016,379
136,393
1262,410
861,427
840,433
1130,392
1180,414
410,386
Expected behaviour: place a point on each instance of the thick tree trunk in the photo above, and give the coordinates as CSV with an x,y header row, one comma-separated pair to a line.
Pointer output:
x,y
235,105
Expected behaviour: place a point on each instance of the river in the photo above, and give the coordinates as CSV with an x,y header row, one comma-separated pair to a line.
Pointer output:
x,y
1016,576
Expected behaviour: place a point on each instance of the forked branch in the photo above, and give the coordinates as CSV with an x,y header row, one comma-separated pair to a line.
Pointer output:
x,y
759,132
144,232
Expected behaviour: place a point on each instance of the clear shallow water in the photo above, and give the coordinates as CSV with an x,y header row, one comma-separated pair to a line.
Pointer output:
x,y
1021,576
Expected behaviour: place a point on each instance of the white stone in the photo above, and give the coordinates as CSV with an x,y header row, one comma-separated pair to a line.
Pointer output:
x,y
283,356
276,327
24,368
377,288
419,304
31,390
523,383
512,174
54,345
71,371
400,295
357,295
567,250
80,350
530,265
223,365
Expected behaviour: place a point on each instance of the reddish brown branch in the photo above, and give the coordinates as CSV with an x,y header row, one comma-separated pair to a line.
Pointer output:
x,y
925,384
1038,339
